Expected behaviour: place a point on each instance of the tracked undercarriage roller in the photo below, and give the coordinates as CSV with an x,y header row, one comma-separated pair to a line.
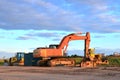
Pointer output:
x,y
61,62
88,64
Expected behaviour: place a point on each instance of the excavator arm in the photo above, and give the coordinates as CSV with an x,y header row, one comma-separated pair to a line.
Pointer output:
x,y
78,36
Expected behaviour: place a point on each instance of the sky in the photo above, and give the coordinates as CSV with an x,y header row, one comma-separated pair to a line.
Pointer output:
x,y
28,24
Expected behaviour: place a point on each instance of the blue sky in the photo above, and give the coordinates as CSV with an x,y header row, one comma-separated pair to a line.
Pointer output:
x,y
28,24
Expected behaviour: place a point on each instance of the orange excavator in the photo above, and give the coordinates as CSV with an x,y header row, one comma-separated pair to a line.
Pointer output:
x,y
55,54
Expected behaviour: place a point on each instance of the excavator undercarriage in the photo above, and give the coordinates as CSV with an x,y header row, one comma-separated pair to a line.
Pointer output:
x,y
62,62
57,62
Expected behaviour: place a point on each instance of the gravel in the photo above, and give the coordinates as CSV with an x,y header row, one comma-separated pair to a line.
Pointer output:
x,y
58,73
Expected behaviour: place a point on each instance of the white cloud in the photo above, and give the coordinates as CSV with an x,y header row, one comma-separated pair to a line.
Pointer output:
x,y
6,54
25,38
100,5
26,17
46,15
109,18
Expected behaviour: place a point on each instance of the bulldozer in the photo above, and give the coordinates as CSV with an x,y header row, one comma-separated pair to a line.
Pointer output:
x,y
17,60
93,59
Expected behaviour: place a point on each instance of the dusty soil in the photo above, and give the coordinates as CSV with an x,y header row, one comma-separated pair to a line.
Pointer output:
x,y
58,73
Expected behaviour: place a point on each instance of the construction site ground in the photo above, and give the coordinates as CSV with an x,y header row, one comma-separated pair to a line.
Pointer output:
x,y
58,73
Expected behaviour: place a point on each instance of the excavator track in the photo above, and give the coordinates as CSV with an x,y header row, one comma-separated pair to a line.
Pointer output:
x,y
42,62
61,62
88,64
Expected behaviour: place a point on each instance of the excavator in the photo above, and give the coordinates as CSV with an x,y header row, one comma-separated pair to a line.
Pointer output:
x,y
55,54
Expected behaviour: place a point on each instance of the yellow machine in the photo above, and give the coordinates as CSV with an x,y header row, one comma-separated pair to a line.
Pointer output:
x,y
94,59
17,60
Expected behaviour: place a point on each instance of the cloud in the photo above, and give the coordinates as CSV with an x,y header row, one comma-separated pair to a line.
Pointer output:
x,y
116,36
46,34
25,38
35,35
94,5
43,34
99,36
107,51
97,51
22,16
56,39
31,34
82,15
2,37
6,54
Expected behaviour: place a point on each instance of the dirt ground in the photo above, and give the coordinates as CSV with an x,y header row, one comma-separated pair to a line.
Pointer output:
x,y
58,73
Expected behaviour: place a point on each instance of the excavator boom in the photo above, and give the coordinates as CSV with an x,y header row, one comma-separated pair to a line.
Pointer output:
x,y
74,36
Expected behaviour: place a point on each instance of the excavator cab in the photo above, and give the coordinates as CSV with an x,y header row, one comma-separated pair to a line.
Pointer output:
x,y
54,46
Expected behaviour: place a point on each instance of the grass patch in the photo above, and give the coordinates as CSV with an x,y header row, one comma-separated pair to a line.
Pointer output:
x,y
114,61
1,62
77,59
